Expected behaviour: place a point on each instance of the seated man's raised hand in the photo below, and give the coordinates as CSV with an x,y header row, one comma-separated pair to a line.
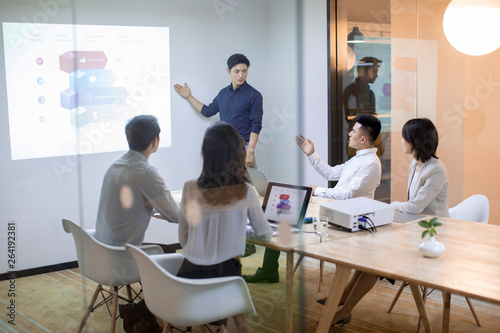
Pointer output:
x,y
305,144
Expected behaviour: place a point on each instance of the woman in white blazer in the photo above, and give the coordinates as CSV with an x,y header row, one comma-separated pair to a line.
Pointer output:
x,y
427,179
427,194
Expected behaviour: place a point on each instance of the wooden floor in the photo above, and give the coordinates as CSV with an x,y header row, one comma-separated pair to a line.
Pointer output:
x,y
55,302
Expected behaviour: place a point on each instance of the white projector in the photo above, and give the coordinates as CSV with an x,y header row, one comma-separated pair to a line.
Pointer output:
x,y
357,213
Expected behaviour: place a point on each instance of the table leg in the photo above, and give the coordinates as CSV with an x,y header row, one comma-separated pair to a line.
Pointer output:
x,y
289,292
321,271
339,283
417,296
424,298
446,311
297,263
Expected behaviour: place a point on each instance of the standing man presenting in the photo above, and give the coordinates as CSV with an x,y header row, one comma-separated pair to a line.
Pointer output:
x,y
238,104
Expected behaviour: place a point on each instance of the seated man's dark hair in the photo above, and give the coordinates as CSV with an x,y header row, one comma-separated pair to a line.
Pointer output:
x,y
236,59
423,138
370,124
141,131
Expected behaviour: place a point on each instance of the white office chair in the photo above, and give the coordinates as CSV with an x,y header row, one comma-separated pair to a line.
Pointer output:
x,y
475,208
105,265
188,302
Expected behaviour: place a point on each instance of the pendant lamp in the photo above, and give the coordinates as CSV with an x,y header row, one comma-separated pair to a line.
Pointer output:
x,y
473,26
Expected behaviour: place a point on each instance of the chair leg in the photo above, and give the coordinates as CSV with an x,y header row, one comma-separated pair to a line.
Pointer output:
x,y
471,306
89,308
241,323
166,327
320,278
129,292
115,308
403,285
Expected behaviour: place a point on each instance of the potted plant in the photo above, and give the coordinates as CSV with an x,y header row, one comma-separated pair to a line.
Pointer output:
x,y
430,248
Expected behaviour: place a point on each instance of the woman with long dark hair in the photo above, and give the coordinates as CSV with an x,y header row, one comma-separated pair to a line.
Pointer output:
x,y
215,209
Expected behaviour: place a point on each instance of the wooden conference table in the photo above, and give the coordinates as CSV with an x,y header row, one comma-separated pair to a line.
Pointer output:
x,y
468,267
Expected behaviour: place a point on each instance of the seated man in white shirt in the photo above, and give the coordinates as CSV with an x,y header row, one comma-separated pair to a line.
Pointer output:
x,y
358,177
132,188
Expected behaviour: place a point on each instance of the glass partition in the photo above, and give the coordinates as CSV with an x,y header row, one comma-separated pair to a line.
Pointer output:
x,y
418,74
74,72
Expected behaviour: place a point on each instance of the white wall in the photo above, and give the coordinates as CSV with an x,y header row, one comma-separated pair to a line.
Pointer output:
x,y
281,113
314,84
36,195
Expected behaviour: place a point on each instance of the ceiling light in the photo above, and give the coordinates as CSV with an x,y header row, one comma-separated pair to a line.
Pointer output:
x,y
472,26
355,36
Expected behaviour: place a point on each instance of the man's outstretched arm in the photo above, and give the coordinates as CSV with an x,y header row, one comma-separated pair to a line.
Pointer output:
x,y
185,92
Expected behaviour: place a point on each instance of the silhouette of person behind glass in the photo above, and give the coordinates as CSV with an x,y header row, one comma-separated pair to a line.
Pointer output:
x,y
359,98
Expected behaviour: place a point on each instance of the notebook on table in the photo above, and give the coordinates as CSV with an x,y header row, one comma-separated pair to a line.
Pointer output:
x,y
406,217
285,203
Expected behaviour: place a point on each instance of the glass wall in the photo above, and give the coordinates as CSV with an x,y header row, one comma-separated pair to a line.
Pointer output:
x,y
394,61
62,128
365,76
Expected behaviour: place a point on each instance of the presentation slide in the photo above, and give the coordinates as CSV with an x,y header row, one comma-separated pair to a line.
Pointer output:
x,y
72,88
284,204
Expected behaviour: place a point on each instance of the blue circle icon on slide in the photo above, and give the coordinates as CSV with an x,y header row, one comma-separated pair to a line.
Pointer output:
x,y
41,99
40,80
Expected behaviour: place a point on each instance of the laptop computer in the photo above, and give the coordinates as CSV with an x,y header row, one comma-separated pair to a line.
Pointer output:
x,y
285,203
406,217
258,180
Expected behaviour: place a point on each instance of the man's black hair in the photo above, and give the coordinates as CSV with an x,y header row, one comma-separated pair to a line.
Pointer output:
x,y
236,59
141,131
370,124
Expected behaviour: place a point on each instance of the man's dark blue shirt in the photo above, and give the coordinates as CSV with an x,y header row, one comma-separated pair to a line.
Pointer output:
x,y
241,107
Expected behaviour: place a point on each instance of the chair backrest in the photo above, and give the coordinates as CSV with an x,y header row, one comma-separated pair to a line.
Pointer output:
x,y
188,302
475,208
104,264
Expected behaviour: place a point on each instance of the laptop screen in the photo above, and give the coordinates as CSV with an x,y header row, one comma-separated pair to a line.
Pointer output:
x,y
286,203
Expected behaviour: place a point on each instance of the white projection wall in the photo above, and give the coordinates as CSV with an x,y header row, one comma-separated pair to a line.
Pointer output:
x,y
73,72
73,87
